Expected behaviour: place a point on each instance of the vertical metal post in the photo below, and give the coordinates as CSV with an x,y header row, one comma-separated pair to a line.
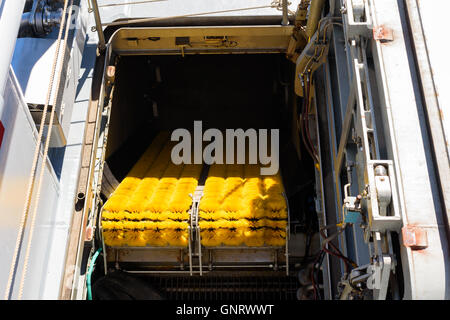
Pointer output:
x,y
284,4
98,25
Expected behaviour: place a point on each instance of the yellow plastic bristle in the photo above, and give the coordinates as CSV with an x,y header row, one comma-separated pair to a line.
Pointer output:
x,y
221,235
274,238
134,238
231,215
207,215
176,238
209,238
152,205
132,216
125,191
113,233
106,215
275,203
232,237
116,203
113,238
275,224
156,239
282,214
175,233
248,213
151,225
204,224
254,237
178,215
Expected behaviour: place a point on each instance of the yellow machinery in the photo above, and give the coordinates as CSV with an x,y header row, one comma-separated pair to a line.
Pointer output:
x,y
155,207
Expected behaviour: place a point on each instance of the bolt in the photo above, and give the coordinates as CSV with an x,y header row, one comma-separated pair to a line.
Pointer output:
x,y
380,170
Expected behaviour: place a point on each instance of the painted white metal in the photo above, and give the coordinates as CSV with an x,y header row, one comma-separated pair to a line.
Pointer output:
x,y
31,60
85,49
16,155
432,13
10,18
182,7
425,271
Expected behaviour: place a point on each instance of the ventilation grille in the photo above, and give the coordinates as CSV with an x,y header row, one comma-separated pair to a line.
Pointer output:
x,y
216,288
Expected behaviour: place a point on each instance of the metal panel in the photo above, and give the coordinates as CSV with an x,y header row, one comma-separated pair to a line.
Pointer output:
x,y
432,14
251,39
426,271
16,156
182,7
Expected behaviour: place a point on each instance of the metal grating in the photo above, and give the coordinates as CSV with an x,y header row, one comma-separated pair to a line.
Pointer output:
x,y
226,288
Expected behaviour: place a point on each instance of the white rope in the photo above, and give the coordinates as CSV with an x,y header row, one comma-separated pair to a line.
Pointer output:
x,y
128,3
13,269
278,4
46,147
118,23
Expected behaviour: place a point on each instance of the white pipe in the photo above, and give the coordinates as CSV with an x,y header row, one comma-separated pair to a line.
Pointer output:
x,y
10,17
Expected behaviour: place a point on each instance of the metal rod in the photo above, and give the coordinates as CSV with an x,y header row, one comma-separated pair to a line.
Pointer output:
x,y
199,250
129,3
118,23
155,271
98,25
284,5
248,266
190,250
346,128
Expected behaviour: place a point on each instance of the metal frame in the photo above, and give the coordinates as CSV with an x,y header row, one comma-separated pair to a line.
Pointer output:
x,y
210,250
372,140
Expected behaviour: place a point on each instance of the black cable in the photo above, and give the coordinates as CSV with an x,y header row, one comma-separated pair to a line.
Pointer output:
x,y
303,122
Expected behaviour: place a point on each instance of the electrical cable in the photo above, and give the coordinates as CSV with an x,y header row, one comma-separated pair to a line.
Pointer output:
x,y
334,251
89,274
302,122
316,265
306,137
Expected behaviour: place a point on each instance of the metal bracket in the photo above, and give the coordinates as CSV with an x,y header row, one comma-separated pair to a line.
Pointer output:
x,y
374,276
383,206
379,279
383,34
359,20
352,206
415,237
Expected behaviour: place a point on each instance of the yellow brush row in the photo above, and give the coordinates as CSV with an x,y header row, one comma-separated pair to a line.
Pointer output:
x,y
243,232
249,197
156,192
240,207
145,216
124,196
146,233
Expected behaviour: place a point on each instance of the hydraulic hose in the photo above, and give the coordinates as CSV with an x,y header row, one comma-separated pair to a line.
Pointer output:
x,y
89,274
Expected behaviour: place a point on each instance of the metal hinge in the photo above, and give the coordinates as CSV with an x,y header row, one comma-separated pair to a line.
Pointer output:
x,y
359,21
